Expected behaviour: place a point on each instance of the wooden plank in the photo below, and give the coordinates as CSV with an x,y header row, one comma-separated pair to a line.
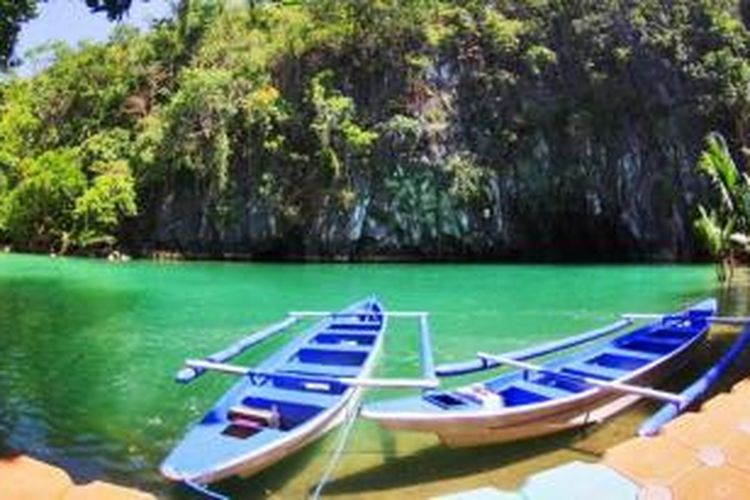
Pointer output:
x,y
609,385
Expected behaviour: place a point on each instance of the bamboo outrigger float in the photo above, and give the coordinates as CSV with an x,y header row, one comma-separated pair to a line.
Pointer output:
x,y
584,387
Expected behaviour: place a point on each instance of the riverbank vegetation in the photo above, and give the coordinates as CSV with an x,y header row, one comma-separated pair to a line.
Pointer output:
x,y
531,129
724,227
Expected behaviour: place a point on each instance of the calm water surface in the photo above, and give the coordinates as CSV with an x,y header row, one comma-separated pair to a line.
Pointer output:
x,y
88,350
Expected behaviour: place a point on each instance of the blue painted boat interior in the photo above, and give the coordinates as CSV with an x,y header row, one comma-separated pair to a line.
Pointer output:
x,y
608,360
261,410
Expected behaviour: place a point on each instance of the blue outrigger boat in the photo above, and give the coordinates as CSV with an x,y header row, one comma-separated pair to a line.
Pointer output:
x,y
284,403
583,387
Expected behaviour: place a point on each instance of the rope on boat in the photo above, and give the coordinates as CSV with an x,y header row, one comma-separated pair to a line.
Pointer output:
x,y
338,450
204,490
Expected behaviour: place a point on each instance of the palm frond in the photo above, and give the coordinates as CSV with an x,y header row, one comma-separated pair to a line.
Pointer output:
x,y
716,162
709,231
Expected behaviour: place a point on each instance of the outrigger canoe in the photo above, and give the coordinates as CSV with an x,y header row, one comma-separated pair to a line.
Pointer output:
x,y
608,374
290,399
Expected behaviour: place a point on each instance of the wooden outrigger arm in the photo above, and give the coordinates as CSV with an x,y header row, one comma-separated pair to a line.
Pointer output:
x,y
476,365
190,373
612,385
230,369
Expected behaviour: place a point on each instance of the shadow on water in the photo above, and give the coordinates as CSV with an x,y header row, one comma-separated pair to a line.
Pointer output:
x,y
439,463
267,482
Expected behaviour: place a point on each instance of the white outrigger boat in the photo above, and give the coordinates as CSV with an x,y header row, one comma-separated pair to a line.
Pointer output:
x,y
290,399
584,387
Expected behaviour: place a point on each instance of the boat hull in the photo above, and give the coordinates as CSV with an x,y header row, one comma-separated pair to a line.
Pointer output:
x,y
574,414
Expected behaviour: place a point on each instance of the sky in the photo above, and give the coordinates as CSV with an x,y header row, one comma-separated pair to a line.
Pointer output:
x,y
70,21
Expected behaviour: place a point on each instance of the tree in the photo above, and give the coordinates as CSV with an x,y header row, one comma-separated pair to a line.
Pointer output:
x,y
723,227
115,9
12,14
99,211
38,211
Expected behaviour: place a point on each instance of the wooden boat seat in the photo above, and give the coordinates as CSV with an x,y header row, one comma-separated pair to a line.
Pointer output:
x,y
334,348
595,371
624,362
543,390
305,383
659,340
360,326
564,384
316,398
249,416
678,333
360,339
650,356
331,356
324,370
649,344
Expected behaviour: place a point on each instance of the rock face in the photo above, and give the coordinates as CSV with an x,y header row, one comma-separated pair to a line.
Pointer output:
x,y
567,197
474,161
621,194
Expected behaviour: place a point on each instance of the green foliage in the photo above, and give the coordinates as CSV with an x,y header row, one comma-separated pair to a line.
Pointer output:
x,y
467,177
38,211
504,33
714,237
723,229
104,148
716,162
12,14
538,58
197,138
334,117
342,142
100,210
306,110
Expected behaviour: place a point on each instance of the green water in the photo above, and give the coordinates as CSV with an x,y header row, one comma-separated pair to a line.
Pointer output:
x,y
88,348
